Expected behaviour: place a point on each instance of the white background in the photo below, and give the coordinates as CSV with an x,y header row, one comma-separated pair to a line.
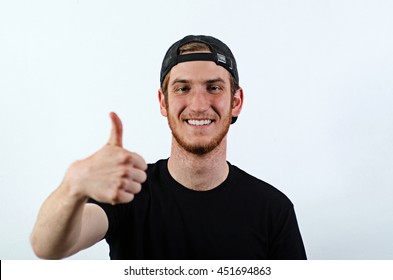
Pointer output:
x,y
317,122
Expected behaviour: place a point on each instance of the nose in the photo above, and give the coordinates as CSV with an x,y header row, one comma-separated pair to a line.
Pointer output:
x,y
199,101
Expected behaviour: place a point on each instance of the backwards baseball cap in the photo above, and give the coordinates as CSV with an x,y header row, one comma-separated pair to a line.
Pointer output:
x,y
220,54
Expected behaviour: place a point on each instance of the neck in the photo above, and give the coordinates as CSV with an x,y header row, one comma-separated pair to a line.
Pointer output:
x,y
198,172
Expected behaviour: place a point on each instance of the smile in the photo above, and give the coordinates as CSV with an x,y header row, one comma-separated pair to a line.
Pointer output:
x,y
199,122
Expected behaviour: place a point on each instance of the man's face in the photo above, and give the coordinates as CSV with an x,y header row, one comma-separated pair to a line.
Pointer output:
x,y
199,105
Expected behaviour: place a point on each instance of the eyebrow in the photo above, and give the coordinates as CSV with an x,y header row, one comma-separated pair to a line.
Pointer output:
x,y
213,81
185,81
180,81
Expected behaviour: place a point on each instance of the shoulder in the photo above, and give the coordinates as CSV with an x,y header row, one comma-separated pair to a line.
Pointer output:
x,y
156,166
156,170
258,188
157,175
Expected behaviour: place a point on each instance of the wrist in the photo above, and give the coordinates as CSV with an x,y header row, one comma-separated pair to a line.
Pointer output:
x,y
72,185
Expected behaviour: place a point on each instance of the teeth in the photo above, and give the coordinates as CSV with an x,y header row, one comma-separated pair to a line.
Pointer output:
x,y
199,122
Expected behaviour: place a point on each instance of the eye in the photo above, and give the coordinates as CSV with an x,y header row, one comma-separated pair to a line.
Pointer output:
x,y
182,89
214,88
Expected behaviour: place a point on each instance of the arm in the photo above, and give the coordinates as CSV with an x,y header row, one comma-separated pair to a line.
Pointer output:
x,y
65,223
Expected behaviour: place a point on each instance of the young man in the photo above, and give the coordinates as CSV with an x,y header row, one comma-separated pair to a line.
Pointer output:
x,y
194,205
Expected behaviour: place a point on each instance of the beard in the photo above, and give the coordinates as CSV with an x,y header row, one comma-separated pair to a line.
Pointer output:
x,y
199,148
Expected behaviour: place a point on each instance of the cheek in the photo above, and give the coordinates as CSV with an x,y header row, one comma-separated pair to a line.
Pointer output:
x,y
175,107
223,104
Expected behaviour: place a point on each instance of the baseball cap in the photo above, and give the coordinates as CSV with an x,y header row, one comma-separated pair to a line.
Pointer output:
x,y
220,54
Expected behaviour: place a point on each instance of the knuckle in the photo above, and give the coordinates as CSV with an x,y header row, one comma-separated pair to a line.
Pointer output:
x,y
140,176
119,158
118,155
130,196
115,193
114,196
137,188
124,171
124,156
144,176
117,182
131,159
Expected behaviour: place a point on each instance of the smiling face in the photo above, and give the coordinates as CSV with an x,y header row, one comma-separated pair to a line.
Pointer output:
x,y
199,105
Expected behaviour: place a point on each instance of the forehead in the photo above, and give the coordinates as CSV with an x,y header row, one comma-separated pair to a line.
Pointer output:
x,y
198,71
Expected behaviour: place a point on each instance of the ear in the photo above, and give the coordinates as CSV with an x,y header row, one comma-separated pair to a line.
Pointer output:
x,y
238,99
161,99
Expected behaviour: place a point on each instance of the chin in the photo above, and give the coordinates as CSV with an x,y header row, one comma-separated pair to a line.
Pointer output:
x,y
200,150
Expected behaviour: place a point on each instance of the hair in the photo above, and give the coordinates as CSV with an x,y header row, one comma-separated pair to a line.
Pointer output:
x,y
195,47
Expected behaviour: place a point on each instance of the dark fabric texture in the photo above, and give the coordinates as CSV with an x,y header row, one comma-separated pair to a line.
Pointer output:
x,y
243,218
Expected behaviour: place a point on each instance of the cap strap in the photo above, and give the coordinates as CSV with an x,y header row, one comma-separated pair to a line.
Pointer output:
x,y
215,57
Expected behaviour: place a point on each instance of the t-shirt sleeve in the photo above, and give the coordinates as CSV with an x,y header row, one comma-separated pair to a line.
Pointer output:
x,y
113,215
287,243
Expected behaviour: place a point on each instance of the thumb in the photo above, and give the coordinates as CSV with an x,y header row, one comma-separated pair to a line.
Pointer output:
x,y
116,136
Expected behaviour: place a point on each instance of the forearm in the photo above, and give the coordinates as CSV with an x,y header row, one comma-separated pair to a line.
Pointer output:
x,y
58,224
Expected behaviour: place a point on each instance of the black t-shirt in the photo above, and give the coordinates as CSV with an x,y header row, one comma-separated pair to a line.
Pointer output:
x,y
243,218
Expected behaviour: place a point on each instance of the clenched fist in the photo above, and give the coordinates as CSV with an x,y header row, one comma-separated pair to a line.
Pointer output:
x,y
111,175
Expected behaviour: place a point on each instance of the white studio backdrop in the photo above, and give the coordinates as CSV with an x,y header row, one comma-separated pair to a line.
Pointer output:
x,y
317,122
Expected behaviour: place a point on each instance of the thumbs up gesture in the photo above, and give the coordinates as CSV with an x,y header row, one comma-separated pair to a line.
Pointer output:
x,y
112,174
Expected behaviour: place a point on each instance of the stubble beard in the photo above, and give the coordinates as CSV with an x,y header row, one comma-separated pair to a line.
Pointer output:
x,y
199,149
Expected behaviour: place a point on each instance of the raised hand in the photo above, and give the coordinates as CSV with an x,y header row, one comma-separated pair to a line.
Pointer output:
x,y
112,174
